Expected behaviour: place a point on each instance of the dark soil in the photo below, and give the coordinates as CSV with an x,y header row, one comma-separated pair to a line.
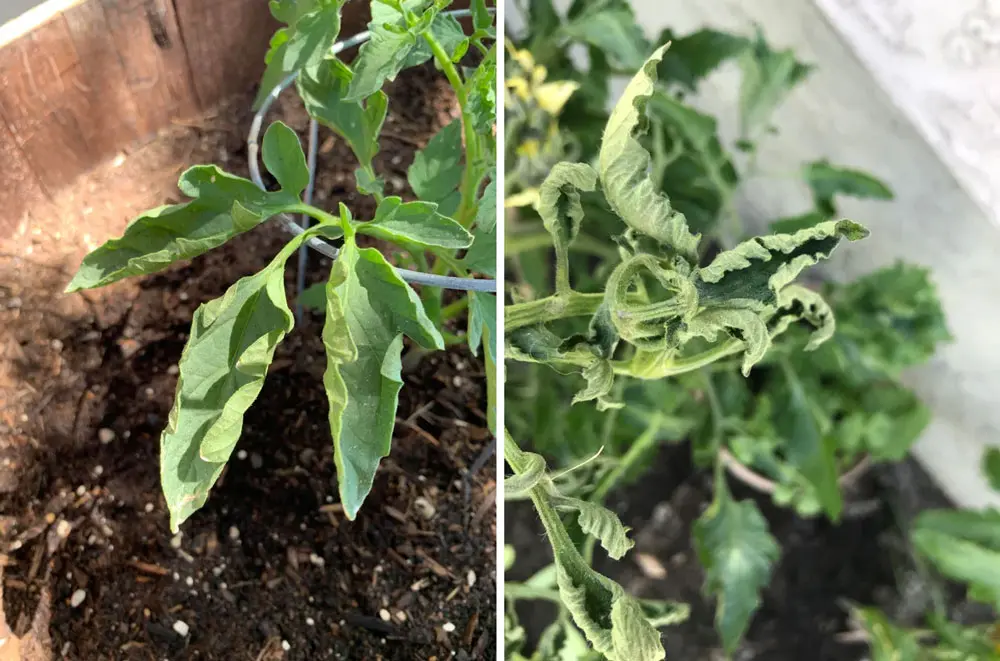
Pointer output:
x,y
270,568
863,560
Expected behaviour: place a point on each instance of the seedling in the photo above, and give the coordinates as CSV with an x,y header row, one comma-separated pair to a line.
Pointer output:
x,y
369,306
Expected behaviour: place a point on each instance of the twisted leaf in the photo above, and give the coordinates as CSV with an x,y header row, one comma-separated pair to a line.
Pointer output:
x,y
518,487
600,522
561,211
624,169
753,273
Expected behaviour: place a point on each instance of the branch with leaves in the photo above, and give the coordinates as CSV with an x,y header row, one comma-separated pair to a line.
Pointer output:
x,y
639,290
661,314
370,309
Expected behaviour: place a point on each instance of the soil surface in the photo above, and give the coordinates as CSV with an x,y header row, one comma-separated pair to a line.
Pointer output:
x,y
270,568
823,567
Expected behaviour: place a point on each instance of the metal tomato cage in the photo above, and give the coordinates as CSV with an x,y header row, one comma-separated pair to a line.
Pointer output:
x,y
415,277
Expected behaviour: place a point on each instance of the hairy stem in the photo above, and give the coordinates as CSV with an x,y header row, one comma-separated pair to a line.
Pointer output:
x,y
562,545
551,308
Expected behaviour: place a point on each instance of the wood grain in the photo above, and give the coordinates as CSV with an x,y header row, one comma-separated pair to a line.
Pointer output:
x,y
39,83
148,40
226,41
21,189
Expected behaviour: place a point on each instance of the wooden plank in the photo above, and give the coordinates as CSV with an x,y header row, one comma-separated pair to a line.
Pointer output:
x,y
225,42
105,109
39,74
20,190
148,40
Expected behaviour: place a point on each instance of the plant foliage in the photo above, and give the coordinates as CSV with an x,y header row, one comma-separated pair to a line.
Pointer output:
x,y
639,301
370,311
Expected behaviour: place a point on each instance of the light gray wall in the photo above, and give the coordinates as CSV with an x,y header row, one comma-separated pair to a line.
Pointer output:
x,y
842,114
13,8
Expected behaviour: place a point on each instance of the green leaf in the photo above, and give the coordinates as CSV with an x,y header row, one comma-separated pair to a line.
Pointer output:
x,y
886,641
694,56
301,45
543,20
381,58
284,158
168,234
368,185
437,170
481,17
323,90
624,169
369,309
483,317
222,371
612,621
963,545
415,222
826,181
614,31
313,297
768,77
738,553
755,271
449,33
482,256
991,467
600,522
486,212
689,161
290,11
890,319
482,95
806,446
600,378
382,12
559,201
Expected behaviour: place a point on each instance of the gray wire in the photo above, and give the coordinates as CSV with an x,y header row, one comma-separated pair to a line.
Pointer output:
x,y
300,278
253,151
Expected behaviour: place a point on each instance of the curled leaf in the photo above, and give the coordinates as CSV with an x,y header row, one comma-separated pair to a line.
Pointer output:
x,y
753,273
516,487
600,522
625,165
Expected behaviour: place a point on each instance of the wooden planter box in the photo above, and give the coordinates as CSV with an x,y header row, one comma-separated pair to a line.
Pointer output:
x,y
81,80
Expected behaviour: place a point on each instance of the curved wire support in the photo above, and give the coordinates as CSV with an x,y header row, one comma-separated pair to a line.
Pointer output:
x,y
321,246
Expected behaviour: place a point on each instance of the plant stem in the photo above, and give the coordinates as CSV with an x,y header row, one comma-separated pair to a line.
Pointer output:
x,y
562,546
517,243
521,591
452,310
470,178
370,171
635,452
551,308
